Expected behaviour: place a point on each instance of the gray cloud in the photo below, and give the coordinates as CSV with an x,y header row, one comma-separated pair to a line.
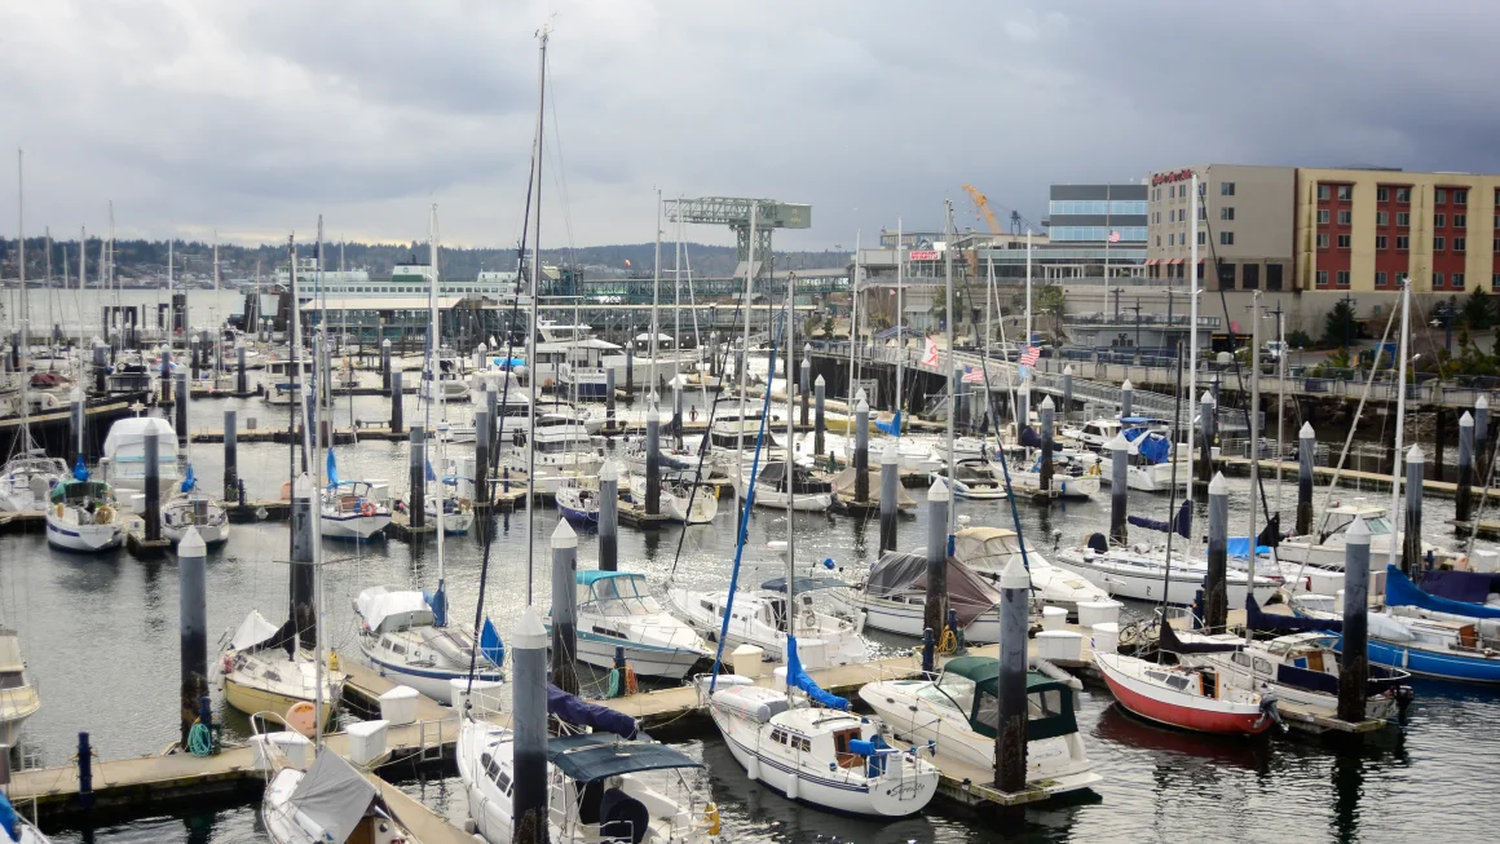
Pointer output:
x,y
254,117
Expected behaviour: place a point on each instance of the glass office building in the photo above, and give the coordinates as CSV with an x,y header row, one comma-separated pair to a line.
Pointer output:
x,y
1092,213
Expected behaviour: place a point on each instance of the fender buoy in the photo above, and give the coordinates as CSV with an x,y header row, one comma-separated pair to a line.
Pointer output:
x,y
228,663
367,508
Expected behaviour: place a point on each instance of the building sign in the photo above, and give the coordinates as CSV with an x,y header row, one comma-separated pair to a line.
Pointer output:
x,y
922,255
1174,176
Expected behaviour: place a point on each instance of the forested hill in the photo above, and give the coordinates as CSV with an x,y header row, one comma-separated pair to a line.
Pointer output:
x,y
147,259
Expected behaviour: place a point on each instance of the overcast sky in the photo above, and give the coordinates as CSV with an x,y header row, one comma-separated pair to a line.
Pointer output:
x,y
253,116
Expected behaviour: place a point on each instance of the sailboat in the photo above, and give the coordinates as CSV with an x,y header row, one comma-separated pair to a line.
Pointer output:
x,y
83,515
357,510
262,668
405,635
442,503
191,507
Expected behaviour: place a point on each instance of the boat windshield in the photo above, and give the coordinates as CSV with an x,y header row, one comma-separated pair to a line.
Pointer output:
x,y
617,596
958,689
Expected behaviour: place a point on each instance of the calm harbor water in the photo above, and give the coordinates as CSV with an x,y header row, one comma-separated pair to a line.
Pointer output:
x,y
100,635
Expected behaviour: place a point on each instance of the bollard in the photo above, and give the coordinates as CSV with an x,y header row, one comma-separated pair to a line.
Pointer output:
x,y
184,395
153,487
231,454
653,457
416,500
929,647
1127,399
483,436
101,365
85,772
529,716
938,500
1046,423
385,364
1119,488
1354,658
804,384
1307,445
1465,467
890,485
241,380
1216,582
192,616
609,516
396,398
302,580
1206,436
565,607
862,451
1481,428
1411,552
1010,739
820,423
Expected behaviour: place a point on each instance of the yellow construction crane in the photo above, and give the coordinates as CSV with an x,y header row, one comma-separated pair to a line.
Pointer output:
x,y
982,203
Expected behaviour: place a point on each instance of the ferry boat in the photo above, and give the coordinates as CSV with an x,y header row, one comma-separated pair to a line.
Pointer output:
x,y
409,279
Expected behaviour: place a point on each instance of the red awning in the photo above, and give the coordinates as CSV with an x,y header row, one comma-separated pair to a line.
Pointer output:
x,y
1151,262
1178,260
1201,260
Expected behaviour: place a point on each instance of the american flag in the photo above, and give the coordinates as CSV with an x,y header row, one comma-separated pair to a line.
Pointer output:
x,y
1114,237
973,375
1030,356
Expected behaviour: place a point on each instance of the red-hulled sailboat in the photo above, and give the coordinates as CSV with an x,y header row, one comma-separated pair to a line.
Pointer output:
x,y
1198,699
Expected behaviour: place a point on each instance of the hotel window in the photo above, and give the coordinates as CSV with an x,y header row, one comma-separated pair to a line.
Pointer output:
x,y
1380,279
1322,241
1403,242
1439,220
1460,221
1403,195
1322,278
1460,244
1380,241
1496,246
1346,192
1439,197
1343,241
1437,279
1403,219
1382,194
1202,238
1171,238
1324,192
1226,189
1438,245
1226,213
1382,218
1457,280
1460,197
1203,212
1344,217
1322,216
1171,191
1342,279
1226,238
1495,281
1158,240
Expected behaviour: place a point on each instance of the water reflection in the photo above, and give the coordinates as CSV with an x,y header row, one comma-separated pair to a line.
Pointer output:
x,y
1192,753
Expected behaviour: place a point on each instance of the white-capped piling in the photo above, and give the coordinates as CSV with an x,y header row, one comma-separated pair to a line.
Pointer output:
x,y
529,702
1216,581
1119,488
1307,446
1411,551
862,451
1010,739
609,516
935,613
1354,658
890,490
416,502
1465,468
565,607
653,457
192,620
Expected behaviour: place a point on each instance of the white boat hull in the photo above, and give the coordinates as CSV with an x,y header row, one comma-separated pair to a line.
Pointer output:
x,y
1146,585
353,526
88,538
906,619
647,660
431,682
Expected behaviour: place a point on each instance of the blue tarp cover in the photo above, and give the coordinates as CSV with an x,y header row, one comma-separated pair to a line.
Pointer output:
x,y
892,427
1400,591
590,757
1239,547
575,710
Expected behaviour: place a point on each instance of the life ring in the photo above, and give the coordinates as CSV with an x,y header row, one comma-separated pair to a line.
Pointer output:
x,y
104,515
367,508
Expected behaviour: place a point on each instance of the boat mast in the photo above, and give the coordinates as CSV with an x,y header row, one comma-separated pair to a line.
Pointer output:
x,y
853,339
536,289
1398,462
1192,328
1254,442
655,293
900,329
677,317
948,361
24,312
791,478
744,367
436,394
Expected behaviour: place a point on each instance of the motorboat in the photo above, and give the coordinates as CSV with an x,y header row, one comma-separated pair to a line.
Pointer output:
x,y
262,668
512,401
124,461
1324,548
681,499
27,479
971,479
987,551
357,510
189,508
282,382
1201,699
827,633
404,638
19,699
918,457
328,803
449,383
617,611
562,449
807,492
1023,471
82,514
458,513
893,598
1152,463
1138,572
820,755
959,712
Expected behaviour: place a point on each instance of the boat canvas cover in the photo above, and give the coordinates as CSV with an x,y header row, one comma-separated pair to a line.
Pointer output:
x,y
575,710
797,677
898,572
385,609
1472,587
1400,591
133,430
843,483
333,795
804,584
803,481
253,633
757,703
1261,621
590,757
986,548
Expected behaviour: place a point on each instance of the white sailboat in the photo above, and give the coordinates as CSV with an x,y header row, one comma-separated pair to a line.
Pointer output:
x,y
405,636
191,507
83,515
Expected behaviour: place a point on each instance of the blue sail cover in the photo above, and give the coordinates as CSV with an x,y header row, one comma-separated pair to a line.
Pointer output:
x,y
438,600
189,480
1400,591
1471,586
1030,438
431,475
574,710
1261,621
80,471
332,470
1238,547
797,677
490,646
892,427
1183,524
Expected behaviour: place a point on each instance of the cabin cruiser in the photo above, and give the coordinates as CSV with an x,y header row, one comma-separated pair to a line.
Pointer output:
x,y
262,668
561,449
987,551
972,479
959,714
1138,572
617,611
281,382
404,635
128,373
1325,547
124,461
1153,464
